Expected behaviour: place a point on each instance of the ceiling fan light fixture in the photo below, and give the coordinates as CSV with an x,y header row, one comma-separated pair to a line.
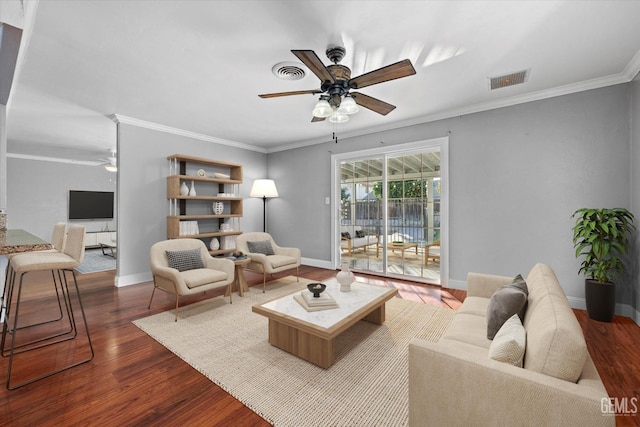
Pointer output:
x,y
348,106
322,109
338,117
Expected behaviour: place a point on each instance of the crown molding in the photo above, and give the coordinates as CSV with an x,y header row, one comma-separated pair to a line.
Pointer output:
x,y
53,159
625,77
118,118
631,70
633,67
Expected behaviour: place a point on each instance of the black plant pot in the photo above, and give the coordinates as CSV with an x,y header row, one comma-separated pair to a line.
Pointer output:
x,y
601,300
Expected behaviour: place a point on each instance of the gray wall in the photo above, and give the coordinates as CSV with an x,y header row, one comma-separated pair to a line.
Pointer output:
x,y
516,176
299,217
38,193
3,157
143,205
634,118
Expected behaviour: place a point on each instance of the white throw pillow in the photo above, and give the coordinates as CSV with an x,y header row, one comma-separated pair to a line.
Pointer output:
x,y
509,343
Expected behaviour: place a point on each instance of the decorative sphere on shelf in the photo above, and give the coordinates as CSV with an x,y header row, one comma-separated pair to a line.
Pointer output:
x,y
214,245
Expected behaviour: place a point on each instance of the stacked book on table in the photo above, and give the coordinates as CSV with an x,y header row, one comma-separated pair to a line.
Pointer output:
x,y
323,302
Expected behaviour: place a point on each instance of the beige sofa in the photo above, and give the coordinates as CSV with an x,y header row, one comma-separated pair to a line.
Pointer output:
x,y
353,242
453,382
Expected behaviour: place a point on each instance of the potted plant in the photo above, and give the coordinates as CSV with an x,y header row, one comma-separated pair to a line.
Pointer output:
x,y
602,237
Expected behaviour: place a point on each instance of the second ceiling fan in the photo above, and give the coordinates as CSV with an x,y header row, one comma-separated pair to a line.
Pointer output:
x,y
337,100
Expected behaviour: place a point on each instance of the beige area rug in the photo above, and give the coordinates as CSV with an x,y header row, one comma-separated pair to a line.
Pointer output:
x,y
368,384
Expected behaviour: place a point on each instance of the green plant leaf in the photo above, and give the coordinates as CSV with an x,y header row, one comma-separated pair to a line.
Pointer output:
x,y
601,236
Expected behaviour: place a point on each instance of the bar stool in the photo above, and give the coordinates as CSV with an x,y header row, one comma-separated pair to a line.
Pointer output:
x,y
60,264
58,239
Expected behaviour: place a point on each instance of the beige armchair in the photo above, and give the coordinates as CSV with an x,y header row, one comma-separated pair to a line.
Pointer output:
x,y
274,261
185,267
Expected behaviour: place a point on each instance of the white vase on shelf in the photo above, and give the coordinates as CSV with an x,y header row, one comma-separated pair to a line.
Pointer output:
x,y
214,245
218,208
184,190
345,277
192,191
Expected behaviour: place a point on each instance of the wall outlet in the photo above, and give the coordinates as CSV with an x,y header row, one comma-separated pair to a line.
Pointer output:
x,y
327,200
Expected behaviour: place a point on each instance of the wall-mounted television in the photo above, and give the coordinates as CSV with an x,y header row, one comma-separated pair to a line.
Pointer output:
x,y
90,204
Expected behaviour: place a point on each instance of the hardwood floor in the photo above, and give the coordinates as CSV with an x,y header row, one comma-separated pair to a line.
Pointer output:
x,y
133,380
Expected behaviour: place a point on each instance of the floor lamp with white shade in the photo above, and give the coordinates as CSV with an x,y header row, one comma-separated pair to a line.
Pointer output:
x,y
264,188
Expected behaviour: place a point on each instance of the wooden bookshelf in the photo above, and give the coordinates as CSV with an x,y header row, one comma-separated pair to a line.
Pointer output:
x,y
199,173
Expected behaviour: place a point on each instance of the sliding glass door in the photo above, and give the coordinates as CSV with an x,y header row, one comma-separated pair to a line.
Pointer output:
x,y
413,215
390,212
361,214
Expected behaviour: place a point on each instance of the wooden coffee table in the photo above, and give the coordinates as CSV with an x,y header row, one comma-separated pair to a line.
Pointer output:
x,y
311,335
397,246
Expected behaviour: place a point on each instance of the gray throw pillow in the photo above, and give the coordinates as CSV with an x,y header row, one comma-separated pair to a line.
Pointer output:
x,y
261,247
505,302
188,259
519,283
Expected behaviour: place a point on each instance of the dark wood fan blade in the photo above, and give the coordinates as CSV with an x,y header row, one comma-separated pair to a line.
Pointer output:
x,y
372,103
311,60
318,119
297,92
384,74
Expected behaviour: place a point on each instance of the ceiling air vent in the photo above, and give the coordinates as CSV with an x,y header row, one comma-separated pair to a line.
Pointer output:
x,y
508,80
288,71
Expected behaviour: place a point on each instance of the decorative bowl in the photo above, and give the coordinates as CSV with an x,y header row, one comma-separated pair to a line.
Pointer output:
x,y
316,289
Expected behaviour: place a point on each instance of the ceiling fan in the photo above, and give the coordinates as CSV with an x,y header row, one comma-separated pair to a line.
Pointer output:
x,y
110,163
338,101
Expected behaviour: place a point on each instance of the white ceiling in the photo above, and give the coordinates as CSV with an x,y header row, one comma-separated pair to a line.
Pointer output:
x,y
200,65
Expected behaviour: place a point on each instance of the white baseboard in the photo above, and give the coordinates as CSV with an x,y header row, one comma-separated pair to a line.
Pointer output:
x,y
319,263
625,310
578,303
133,279
628,311
457,284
